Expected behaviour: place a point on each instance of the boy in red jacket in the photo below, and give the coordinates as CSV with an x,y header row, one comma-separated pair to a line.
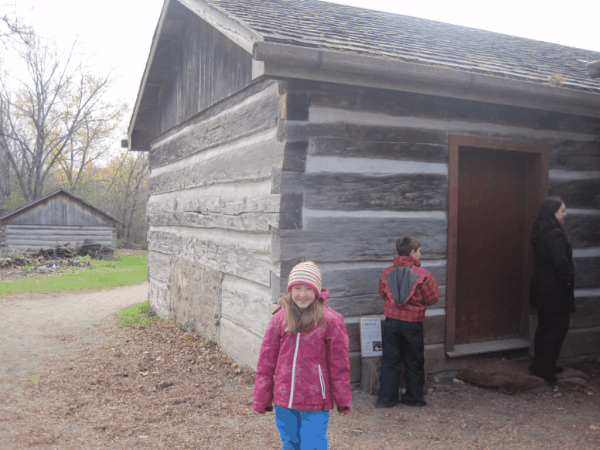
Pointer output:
x,y
407,290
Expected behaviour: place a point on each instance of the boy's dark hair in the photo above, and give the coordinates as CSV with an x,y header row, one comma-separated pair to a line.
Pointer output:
x,y
407,244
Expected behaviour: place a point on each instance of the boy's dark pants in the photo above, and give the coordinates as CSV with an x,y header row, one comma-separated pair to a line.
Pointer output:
x,y
402,341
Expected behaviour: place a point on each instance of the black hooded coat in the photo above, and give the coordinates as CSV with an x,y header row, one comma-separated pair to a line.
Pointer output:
x,y
552,283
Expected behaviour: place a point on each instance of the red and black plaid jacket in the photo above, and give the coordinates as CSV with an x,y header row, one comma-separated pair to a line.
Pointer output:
x,y
425,293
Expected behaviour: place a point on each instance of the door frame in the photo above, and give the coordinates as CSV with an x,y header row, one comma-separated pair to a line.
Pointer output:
x,y
536,186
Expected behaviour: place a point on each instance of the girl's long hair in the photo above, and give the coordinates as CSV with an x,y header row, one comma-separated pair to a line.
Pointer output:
x,y
300,320
546,219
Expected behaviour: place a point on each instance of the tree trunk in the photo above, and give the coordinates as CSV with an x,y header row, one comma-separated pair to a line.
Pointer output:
x,y
370,378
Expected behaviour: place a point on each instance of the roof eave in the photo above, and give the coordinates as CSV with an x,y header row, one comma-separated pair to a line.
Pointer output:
x,y
292,62
147,69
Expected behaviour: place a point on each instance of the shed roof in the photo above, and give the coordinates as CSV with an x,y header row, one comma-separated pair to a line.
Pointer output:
x,y
347,29
52,194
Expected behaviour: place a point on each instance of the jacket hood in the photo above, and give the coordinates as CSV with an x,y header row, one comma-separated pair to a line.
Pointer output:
x,y
406,261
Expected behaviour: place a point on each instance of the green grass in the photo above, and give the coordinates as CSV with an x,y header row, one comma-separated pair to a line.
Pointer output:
x,y
33,380
129,270
136,315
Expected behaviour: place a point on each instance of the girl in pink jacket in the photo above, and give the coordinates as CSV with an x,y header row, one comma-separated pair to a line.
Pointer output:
x,y
305,349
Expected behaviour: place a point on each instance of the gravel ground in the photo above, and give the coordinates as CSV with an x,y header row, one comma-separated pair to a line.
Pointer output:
x,y
158,387
30,321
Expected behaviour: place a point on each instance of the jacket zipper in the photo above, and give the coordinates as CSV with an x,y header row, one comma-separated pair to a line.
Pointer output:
x,y
322,381
294,370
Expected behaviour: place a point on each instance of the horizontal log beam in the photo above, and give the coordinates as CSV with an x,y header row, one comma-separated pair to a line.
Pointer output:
x,y
301,131
588,311
79,235
583,230
241,222
587,272
383,134
58,229
239,343
352,280
51,243
34,237
352,191
247,303
229,164
242,214
217,126
582,193
268,203
575,155
330,248
396,151
406,104
368,304
230,257
374,223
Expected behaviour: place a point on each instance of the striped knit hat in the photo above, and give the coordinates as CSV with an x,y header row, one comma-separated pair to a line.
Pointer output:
x,y
306,273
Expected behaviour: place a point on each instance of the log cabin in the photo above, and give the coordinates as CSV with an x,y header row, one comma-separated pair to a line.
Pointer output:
x,y
58,219
284,131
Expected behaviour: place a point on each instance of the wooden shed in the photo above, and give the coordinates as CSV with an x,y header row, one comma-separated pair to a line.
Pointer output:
x,y
59,218
284,131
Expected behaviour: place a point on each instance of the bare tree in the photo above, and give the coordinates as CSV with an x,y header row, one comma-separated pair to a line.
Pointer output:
x,y
125,191
48,114
11,27
89,146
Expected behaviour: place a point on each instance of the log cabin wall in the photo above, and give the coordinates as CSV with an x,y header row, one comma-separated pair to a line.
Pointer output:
x,y
211,213
367,165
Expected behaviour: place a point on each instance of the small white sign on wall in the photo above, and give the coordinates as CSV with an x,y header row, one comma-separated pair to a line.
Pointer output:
x,y
370,337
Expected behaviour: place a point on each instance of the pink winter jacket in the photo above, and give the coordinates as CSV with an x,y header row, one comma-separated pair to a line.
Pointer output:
x,y
311,369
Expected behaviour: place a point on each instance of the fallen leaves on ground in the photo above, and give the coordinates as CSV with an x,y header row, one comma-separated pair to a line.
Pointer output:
x,y
159,387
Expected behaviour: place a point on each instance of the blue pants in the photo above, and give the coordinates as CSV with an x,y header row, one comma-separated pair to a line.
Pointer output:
x,y
402,342
302,430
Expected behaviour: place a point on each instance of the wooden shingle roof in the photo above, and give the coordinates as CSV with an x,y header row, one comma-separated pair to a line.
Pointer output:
x,y
346,29
325,42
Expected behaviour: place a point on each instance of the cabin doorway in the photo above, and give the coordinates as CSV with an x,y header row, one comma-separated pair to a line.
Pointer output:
x,y
495,190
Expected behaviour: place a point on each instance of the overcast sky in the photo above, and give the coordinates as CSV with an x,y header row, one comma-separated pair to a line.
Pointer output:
x,y
117,34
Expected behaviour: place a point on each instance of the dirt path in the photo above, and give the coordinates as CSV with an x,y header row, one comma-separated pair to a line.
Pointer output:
x,y
158,387
36,326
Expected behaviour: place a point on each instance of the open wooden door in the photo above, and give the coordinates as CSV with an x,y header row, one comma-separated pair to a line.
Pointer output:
x,y
491,226
495,190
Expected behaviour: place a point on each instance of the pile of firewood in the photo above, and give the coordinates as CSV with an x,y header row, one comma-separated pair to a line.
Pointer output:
x,y
59,252
14,261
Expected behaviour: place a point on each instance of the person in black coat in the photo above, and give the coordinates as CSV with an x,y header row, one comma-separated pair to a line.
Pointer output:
x,y
552,287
